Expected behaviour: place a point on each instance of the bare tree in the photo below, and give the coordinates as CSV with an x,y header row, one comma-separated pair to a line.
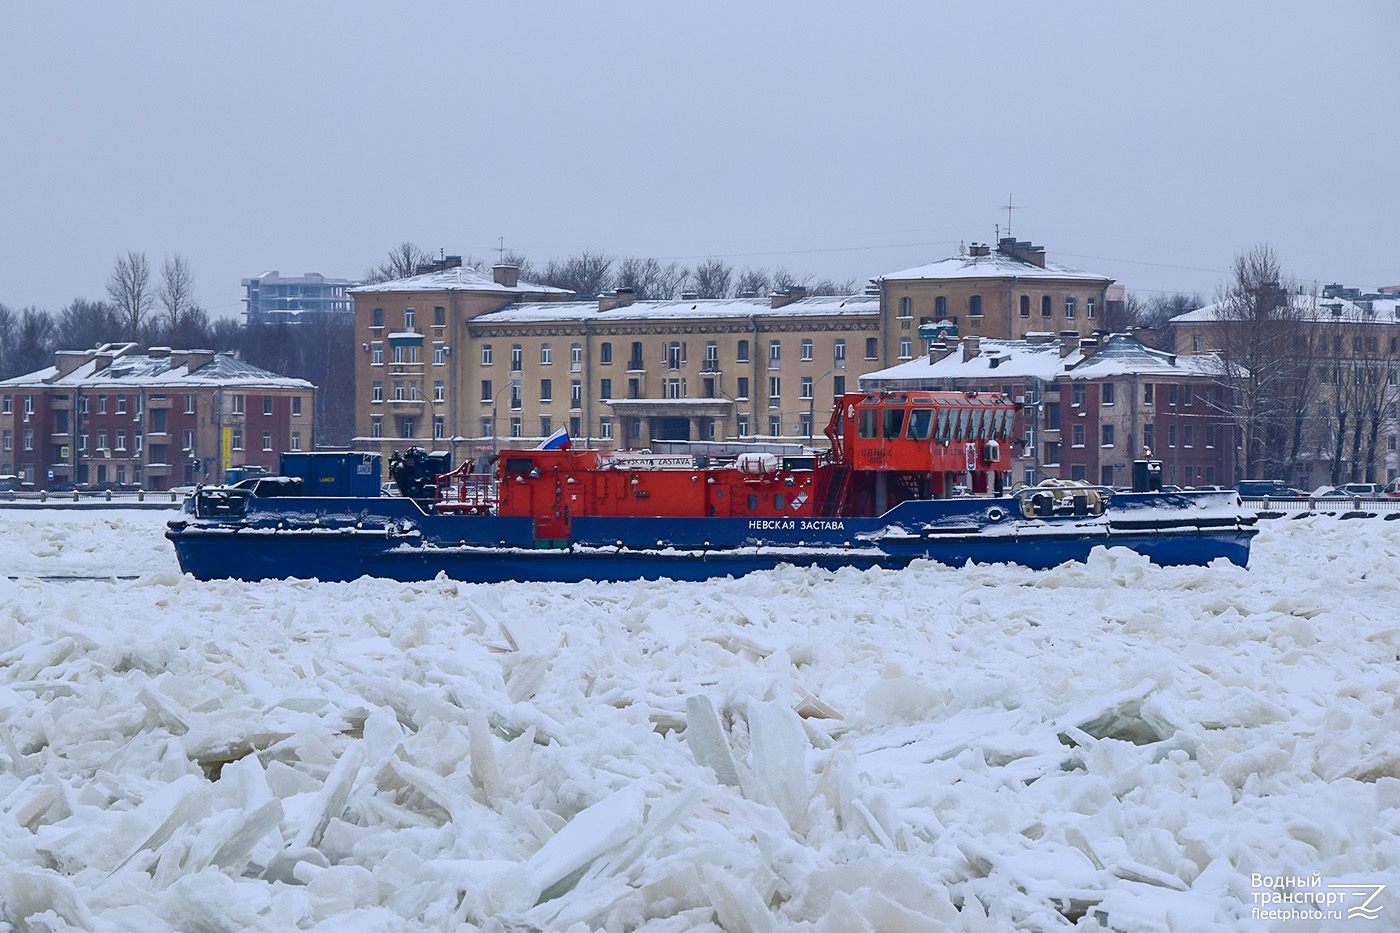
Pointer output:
x,y
1258,324
175,291
403,261
586,273
651,278
757,282
83,323
129,287
34,341
712,278
9,323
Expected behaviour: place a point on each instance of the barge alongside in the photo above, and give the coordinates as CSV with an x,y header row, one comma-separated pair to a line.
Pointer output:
x,y
910,476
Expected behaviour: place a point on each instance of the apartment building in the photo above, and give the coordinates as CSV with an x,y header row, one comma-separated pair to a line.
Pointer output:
x,y
158,418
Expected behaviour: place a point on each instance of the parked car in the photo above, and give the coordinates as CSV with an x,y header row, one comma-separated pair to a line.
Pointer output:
x,y
1349,490
1268,488
390,489
9,483
1391,488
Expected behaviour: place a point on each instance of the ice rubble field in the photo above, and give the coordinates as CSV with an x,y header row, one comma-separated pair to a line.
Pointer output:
x,y
986,748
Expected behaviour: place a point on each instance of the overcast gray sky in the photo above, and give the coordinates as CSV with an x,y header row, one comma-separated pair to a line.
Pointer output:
x,y
1146,142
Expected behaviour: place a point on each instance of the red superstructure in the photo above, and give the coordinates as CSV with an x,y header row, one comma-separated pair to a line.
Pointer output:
x,y
885,448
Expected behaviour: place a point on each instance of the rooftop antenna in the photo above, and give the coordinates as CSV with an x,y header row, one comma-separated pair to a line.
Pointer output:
x,y
501,248
1009,206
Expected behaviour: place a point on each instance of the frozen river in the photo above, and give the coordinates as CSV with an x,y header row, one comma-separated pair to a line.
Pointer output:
x,y
986,748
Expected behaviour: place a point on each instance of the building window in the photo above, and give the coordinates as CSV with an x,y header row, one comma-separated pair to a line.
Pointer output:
x,y
101,440
487,427
406,427
872,348
376,427
439,391
515,396
296,440
838,386
712,356
775,390
517,357
400,391
1107,432
974,306
7,405
515,426
1090,311
742,387
407,325
806,389
1052,453
546,390
1079,435
605,388
906,348
121,399
376,355
546,425
546,354
807,349
238,404
121,440
1148,437
376,317
267,404
636,364
575,357
486,393
1195,343
741,353
439,354
1077,395
1147,393
775,354
486,354
605,427
1106,393
1025,306
575,393
296,406
741,426
675,355
8,441
439,316
1069,307
1188,435
267,440
1045,309
399,354
439,428
101,406
189,442
1171,435
378,392
236,441
839,352
675,388
605,353
775,426
1210,435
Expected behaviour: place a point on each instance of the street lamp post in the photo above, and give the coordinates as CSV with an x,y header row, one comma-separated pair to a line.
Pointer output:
x,y
495,420
811,406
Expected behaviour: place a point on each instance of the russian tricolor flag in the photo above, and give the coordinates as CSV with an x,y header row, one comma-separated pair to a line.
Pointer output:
x,y
559,440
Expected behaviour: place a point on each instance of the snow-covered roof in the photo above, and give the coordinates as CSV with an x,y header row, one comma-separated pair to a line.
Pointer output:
x,y
189,368
1120,355
994,265
682,309
457,278
1313,309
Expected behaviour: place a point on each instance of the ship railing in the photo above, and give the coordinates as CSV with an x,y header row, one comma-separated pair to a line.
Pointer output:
x,y
467,493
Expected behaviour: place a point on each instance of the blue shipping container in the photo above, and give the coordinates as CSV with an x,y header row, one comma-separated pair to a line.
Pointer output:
x,y
335,473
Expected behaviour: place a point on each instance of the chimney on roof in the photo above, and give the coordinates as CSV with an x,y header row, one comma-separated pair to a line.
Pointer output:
x,y
1023,250
157,352
1038,337
66,361
192,358
938,350
788,296
748,293
1088,346
506,274
979,249
1068,340
452,262
618,298
971,346
690,296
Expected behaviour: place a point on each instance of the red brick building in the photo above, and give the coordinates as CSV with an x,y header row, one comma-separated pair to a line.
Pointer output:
x,y
156,419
